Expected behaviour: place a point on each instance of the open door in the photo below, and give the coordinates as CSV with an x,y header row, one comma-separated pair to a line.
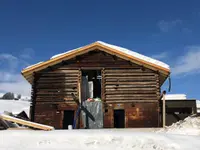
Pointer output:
x,y
68,118
119,118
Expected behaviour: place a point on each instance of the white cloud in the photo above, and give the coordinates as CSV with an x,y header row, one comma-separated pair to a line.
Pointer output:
x,y
8,60
188,63
27,53
7,56
10,79
165,26
18,86
160,56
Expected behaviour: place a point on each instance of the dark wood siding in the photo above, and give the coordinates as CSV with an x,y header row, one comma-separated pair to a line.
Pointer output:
x,y
125,86
142,115
128,85
54,88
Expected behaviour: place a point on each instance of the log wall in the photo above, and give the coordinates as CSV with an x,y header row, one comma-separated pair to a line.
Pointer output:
x,y
124,86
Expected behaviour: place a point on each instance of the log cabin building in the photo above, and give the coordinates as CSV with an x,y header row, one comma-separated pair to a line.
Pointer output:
x,y
126,83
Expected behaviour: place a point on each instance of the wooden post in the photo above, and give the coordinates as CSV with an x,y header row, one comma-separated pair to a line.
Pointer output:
x,y
33,98
79,97
79,91
164,109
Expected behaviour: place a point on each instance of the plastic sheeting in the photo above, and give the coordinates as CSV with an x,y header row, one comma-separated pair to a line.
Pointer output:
x,y
85,89
92,115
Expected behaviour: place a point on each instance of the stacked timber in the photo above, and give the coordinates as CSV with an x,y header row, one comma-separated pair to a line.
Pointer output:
x,y
130,85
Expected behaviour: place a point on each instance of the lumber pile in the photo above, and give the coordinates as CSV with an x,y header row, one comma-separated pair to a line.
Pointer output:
x,y
26,123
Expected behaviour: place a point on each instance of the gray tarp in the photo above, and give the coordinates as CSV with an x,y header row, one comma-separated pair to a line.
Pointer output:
x,y
92,115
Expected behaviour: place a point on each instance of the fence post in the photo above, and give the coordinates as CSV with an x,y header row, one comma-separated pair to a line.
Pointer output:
x,y
164,109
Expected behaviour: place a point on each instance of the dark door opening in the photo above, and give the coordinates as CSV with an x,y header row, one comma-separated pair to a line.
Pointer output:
x,y
68,118
119,118
91,84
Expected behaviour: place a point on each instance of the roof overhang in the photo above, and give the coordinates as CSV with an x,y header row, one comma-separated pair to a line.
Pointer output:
x,y
28,72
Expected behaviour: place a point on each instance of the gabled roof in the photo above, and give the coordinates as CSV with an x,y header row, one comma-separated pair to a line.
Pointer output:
x,y
111,49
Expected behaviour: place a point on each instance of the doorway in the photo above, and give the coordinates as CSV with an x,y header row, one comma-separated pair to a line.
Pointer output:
x,y
68,118
91,84
119,118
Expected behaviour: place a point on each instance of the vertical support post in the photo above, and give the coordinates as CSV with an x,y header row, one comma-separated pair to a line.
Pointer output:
x,y
103,84
164,109
33,98
79,97
157,74
79,91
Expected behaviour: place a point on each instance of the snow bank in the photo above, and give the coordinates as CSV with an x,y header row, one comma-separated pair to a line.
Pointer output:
x,y
14,106
188,126
95,139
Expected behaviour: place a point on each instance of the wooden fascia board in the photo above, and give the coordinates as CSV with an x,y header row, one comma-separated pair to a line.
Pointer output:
x,y
134,59
27,73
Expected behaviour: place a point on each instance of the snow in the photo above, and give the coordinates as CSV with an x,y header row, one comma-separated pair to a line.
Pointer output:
x,y
183,135
126,51
137,55
1,95
34,65
69,51
14,106
198,106
105,139
188,126
175,97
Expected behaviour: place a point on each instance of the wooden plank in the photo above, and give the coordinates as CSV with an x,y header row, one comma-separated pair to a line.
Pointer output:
x,y
130,86
129,92
132,101
134,89
130,98
54,93
131,83
27,123
53,81
130,79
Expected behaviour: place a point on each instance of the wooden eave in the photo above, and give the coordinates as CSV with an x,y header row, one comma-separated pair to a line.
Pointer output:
x,y
28,73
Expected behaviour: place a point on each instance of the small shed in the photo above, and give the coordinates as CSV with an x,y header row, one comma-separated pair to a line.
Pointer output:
x,y
126,82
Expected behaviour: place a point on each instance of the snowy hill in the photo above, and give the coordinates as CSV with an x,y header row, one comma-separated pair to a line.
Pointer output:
x,y
23,97
14,106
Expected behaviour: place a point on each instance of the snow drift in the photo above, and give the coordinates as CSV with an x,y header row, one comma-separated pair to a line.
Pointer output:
x,y
188,126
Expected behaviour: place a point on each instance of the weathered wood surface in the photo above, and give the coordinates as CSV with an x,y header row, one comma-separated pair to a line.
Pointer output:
x,y
57,85
136,114
130,85
26,123
122,82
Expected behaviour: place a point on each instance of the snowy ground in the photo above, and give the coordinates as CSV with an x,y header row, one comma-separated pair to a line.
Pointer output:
x,y
183,135
95,139
14,106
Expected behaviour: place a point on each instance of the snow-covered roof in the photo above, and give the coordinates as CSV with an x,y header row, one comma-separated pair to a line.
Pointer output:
x,y
109,48
175,97
137,55
34,65
126,51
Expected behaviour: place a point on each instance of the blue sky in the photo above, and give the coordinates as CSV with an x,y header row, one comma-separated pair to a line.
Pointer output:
x,y
33,31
